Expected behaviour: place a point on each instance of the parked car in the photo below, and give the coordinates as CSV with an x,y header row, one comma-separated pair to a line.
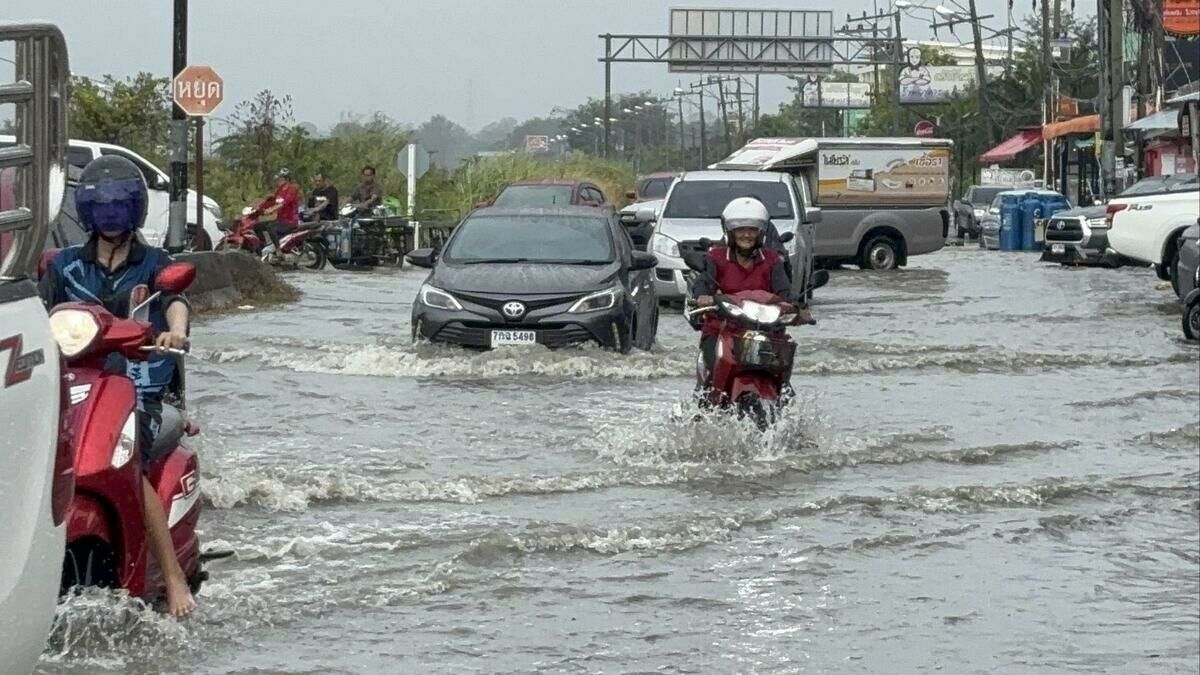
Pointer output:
x,y
973,206
1147,220
989,223
651,186
554,277
1188,267
692,212
883,199
37,480
548,194
204,238
1079,236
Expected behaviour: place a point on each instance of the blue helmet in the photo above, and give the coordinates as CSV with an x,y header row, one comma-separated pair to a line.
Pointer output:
x,y
111,197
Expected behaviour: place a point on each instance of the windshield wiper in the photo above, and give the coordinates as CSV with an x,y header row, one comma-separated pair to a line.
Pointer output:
x,y
576,262
483,261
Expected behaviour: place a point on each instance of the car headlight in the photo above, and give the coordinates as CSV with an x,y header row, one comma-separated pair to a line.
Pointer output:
x,y
664,245
439,299
74,330
126,443
606,299
979,213
756,311
215,211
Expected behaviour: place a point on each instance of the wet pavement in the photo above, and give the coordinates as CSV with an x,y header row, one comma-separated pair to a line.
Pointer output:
x,y
995,467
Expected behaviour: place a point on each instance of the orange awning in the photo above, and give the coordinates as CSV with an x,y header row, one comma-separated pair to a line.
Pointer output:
x,y
1012,147
1088,124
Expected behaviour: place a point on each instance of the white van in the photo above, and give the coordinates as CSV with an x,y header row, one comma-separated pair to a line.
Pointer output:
x,y
158,212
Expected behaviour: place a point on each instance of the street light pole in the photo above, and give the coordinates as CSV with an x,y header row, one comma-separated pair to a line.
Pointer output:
x,y
177,221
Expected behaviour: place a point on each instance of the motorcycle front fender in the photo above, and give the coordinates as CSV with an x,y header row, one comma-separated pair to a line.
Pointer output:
x,y
88,517
760,384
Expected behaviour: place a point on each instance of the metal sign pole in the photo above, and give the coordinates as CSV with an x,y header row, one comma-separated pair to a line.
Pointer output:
x,y
412,194
178,138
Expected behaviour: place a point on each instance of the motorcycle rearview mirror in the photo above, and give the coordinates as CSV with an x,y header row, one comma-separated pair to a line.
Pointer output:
x,y
706,243
175,278
786,237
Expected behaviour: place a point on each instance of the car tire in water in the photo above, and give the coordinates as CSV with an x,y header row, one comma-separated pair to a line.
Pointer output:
x,y
1191,321
880,253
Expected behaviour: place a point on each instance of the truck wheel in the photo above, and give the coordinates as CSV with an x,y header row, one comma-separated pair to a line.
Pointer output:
x,y
1191,321
880,253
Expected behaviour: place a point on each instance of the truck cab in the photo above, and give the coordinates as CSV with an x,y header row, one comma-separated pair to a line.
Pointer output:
x,y
882,200
36,484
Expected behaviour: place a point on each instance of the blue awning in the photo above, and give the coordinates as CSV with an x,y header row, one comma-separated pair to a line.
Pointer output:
x,y
1163,120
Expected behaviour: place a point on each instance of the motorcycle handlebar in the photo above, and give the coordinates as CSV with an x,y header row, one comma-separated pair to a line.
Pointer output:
x,y
163,350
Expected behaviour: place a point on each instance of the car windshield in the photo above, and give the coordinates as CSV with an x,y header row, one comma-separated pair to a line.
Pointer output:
x,y
655,188
978,195
708,198
531,238
1160,184
534,196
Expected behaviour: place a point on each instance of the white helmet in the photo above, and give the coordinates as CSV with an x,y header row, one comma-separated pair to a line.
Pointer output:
x,y
741,213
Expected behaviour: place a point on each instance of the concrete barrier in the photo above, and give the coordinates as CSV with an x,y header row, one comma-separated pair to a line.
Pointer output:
x,y
231,278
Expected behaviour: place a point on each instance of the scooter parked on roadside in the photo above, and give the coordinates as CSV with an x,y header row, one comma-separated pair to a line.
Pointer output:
x,y
106,537
304,247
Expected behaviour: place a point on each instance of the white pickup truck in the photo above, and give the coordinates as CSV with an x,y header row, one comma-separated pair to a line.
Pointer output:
x,y
1147,219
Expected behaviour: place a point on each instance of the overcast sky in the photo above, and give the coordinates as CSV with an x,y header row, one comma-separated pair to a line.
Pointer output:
x,y
474,61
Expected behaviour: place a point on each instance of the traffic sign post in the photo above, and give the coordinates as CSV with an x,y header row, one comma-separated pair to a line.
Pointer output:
x,y
197,91
413,162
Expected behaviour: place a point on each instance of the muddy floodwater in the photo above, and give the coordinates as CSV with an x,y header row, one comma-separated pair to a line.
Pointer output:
x,y
993,469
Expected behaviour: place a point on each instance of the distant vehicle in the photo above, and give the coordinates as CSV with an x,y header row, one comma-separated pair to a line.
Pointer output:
x,y
882,199
549,193
1078,236
1188,267
157,216
989,223
639,227
692,212
973,206
651,186
1147,219
37,482
552,277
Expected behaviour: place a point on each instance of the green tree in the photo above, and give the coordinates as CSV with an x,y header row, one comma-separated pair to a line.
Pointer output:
x,y
134,112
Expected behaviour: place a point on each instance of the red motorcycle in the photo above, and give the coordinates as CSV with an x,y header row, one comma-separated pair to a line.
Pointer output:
x,y
106,538
300,248
753,368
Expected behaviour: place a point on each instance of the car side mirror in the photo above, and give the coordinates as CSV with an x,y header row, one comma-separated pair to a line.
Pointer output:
x,y
422,257
813,215
786,237
959,204
630,194
646,216
161,183
818,279
640,260
175,278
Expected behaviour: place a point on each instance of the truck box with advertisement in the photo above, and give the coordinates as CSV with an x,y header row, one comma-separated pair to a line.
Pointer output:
x,y
881,199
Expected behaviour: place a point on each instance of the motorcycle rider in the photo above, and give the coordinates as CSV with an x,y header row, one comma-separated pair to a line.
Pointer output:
x,y
111,201
284,203
744,263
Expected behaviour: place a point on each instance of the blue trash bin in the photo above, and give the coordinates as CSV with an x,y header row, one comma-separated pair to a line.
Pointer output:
x,y
1032,208
1010,222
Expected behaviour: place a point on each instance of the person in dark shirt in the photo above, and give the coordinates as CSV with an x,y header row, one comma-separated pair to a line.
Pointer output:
x,y
322,188
368,194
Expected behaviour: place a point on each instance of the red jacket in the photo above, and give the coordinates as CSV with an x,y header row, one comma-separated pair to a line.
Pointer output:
x,y
725,275
289,195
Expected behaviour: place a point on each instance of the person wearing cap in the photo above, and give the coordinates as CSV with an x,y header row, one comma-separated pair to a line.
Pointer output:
x,y
743,263
284,204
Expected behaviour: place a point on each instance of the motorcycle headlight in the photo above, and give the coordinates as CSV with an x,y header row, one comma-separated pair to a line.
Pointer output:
x,y
664,245
439,299
595,302
761,313
126,443
74,330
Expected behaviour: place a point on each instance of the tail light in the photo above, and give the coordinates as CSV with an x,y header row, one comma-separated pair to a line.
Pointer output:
x,y
63,490
1113,209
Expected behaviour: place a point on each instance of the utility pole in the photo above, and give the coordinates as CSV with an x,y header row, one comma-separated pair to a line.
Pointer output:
x,y
1047,94
178,137
897,58
607,91
1115,73
981,84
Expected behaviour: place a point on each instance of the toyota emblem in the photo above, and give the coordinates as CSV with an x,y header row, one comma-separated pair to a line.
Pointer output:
x,y
513,310
1060,225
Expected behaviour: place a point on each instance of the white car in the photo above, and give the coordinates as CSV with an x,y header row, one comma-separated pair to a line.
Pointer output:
x,y
159,184
37,479
1148,219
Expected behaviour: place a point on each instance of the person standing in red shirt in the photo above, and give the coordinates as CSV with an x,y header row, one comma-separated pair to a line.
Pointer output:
x,y
284,204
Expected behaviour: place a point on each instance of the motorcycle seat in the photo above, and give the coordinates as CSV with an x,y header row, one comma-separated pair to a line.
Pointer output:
x,y
169,434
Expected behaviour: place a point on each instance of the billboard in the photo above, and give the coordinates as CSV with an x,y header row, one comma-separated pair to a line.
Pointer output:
x,y
937,84
750,41
883,176
1181,18
537,144
841,95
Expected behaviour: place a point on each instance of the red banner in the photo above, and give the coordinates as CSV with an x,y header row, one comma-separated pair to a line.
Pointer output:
x,y
1181,17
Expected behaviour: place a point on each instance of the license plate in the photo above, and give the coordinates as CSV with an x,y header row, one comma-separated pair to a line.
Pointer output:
x,y
1058,248
501,338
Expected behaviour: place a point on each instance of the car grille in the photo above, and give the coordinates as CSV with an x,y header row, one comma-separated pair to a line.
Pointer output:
x,y
479,334
497,302
1068,230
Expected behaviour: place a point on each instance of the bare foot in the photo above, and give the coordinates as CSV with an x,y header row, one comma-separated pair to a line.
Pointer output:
x,y
180,602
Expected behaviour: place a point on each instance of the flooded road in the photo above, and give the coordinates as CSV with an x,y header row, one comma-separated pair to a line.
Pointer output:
x,y
994,468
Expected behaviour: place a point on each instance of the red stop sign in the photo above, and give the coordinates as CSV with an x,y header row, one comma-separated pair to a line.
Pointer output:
x,y
198,90
923,129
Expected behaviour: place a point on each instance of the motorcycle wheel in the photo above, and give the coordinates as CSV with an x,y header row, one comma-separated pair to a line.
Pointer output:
x,y
763,414
312,257
88,562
